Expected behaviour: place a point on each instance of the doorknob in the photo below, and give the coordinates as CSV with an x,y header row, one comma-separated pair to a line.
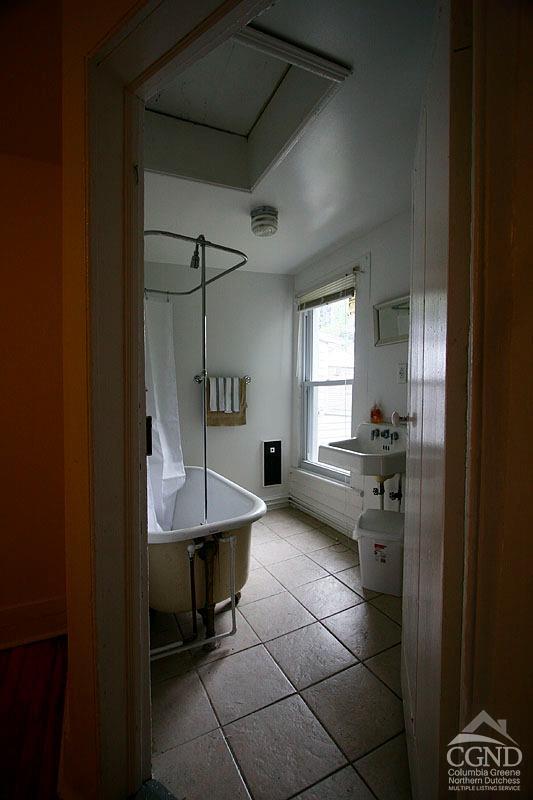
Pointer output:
x,y
396,419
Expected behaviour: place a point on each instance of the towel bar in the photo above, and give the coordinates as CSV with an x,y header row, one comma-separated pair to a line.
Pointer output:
x,y
200,377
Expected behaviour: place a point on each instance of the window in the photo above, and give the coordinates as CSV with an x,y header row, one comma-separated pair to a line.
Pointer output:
x,y
328,336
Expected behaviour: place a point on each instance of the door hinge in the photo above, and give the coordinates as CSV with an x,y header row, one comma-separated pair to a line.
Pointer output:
x,y
136,173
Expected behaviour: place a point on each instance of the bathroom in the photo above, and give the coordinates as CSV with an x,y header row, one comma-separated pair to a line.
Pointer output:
x,y
251,373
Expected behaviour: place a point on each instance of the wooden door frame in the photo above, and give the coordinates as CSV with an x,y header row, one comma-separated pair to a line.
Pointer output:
x,y
107,740
496,646
485,578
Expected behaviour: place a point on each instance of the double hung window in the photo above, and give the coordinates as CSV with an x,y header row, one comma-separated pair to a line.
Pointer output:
x,y
327,320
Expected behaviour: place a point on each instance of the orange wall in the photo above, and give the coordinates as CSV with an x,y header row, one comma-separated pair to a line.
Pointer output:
x,y
44,45
32,584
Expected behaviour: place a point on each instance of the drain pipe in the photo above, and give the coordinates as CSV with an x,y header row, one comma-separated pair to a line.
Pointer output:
x,y
179,647
191,550
209,551
380,491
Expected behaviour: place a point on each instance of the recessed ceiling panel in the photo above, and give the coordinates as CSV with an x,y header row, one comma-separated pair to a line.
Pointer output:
x,y
227,89
348,173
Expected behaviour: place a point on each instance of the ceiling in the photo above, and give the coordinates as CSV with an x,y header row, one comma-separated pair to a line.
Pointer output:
x,y
227,89
349,172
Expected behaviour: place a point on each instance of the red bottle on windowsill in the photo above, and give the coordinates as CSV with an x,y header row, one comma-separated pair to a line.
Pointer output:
x,y
376,414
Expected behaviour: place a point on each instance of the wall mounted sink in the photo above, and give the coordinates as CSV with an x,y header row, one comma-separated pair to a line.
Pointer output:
x,y
375,450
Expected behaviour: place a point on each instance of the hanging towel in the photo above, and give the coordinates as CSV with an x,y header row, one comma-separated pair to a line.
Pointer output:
x,y
213,403
227,395
235,391
236,414
221,395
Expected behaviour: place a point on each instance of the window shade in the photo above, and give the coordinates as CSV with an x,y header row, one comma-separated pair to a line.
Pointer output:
x,y
336,290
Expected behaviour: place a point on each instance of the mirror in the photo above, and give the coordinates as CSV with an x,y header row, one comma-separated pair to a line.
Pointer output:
x,y
391,321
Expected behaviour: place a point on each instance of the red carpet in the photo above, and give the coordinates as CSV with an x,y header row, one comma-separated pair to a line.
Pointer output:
x,y
32,693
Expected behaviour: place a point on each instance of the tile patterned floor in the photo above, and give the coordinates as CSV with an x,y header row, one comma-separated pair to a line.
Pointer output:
x,y
304,702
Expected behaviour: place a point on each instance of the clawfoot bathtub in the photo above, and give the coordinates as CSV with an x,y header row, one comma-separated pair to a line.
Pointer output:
x,y
230,509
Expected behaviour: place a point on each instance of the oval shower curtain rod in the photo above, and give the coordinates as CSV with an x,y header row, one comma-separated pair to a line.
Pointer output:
x,y
199,242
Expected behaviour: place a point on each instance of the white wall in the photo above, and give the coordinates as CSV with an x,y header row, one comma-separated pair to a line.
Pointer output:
x,y
385,255
249,333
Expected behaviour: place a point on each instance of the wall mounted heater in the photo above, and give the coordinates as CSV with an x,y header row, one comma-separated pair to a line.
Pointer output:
x,y
272,462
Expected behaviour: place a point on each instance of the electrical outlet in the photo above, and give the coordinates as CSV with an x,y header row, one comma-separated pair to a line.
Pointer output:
x,y
402,373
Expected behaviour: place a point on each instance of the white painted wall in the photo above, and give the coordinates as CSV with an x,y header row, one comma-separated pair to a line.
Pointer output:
x,y
250,318
385,253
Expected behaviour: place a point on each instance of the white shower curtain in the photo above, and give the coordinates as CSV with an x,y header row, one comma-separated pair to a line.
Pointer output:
x,y
165,468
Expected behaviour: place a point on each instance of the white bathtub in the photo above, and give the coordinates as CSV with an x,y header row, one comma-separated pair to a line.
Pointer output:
x,y
230,508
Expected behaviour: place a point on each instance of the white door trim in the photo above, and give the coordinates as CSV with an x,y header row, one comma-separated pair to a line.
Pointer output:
x,y
152,46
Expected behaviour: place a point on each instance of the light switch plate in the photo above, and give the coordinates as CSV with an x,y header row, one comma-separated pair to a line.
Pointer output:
x,y
402,373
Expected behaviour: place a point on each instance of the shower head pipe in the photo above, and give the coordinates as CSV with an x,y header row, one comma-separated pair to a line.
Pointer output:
x,y
203,243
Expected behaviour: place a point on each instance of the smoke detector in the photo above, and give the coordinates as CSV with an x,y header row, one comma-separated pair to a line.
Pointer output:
x,y
264,220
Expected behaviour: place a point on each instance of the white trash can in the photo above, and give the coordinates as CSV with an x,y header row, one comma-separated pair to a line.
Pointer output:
x,y
380,535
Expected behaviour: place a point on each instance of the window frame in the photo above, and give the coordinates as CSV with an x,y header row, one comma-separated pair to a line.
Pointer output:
x,y
306,405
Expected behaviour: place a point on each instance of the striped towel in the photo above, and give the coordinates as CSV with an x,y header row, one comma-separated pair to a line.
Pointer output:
x,y
224,395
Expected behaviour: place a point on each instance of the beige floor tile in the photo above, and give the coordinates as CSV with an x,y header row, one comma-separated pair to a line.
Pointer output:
x,y
343,785
311,540
309,654
244,638
307,518
282,749
326,596
171,666
336,558
387,666
357,710
350,543
335,533
278,515
243,683
364,630
261,534
260,584
290,527
297,571
180,711
386,770
276,615
200,769
254,564
272,552
352,578
390,605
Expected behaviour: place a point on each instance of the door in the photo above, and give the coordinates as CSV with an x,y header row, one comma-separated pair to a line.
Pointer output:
x,y
423,631
439,373
414,465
